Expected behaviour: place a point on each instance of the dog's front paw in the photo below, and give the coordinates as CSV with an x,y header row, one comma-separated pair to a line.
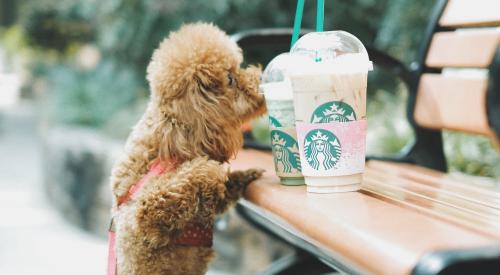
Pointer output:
x,y
245,177
236,184
238,180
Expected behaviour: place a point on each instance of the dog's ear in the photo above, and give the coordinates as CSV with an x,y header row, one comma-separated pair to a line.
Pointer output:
x,y
193,60
201,137
186,76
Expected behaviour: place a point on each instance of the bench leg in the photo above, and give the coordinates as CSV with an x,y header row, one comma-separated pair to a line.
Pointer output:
x,y
297,263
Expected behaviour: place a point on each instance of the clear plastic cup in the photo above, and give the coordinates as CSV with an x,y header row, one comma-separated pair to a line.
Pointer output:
x,y
279,99
329,78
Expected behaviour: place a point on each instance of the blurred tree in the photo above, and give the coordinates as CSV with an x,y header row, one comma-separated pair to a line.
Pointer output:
x,y
471,154
402,28
127,31
54,25
131,29
7,12
90,97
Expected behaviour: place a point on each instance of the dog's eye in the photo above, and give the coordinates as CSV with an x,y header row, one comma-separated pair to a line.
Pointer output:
x,y
231,80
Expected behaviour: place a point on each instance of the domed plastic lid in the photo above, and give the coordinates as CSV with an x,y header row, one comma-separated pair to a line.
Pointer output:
x,y
333,51
275,82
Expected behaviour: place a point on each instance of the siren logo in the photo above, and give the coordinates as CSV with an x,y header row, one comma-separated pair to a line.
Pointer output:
x,y
286,152
337,111
322,149
273,122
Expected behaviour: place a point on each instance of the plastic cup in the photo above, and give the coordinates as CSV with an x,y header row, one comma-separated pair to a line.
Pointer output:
x,y
329,79
279,99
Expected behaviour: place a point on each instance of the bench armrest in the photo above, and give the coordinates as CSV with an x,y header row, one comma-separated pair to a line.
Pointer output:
x,y
265,37
389,64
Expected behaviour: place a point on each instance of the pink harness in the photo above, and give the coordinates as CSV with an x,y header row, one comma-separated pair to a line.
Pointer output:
x,y
194,234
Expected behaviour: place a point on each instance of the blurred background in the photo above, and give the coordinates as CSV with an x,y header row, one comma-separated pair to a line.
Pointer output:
x,y
72,83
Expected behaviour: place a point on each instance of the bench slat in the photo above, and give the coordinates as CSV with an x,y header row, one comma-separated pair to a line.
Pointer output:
x,y
486,194
453,103
454,207
377,236
459,200
414,202
465,13
473,48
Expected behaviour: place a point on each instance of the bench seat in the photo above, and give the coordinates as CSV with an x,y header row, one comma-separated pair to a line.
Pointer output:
x,y
402,213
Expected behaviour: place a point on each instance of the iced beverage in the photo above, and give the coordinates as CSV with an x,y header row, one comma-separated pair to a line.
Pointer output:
x,y
279,99
329,83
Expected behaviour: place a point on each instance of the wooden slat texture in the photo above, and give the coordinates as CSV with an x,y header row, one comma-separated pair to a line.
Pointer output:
x,y
464,13
383,229
453,103
472,48
457,202
462,201
486,194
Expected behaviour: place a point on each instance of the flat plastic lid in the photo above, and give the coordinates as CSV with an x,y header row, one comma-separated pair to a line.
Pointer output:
x,y
275,83
326,52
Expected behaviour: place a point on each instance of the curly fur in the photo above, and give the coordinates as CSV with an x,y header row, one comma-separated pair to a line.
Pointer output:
x,y
199,99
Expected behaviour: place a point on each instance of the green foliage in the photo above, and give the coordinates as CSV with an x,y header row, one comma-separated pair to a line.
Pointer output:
x,y
13,42
131,29
48,27
8,11
127,31
402,28
388,128
471,154
90,98
260,130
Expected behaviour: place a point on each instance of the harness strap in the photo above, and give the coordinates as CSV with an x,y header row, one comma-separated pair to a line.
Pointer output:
x,y
194,234
111,253
156,169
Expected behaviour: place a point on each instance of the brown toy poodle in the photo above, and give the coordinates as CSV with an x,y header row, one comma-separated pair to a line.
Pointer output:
x,y
171,182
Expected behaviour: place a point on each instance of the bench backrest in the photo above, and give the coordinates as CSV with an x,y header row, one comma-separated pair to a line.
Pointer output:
x,y
460,34
451,100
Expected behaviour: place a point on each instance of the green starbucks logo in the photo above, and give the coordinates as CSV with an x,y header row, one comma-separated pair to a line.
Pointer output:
x,y
337,111
286,152
273,122
322,149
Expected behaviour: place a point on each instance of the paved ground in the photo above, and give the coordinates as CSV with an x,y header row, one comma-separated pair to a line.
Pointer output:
x,y
34,239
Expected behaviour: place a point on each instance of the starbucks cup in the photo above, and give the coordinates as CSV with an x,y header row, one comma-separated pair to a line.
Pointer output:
x,y
329,78
279,99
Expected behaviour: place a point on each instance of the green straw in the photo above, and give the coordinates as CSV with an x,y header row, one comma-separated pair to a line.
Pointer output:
x,y
320,14
297,22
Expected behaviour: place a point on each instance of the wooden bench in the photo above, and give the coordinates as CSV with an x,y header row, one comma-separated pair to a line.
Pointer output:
x,y
410,216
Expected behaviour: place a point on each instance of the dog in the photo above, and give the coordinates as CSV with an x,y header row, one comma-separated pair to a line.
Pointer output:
x,y
200,97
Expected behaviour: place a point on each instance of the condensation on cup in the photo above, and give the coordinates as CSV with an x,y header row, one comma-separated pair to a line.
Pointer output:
x,y
279,99
329,78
